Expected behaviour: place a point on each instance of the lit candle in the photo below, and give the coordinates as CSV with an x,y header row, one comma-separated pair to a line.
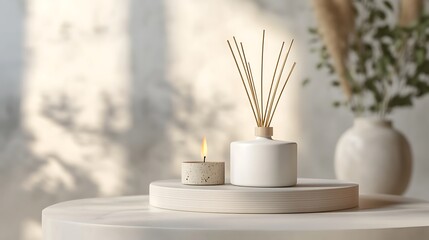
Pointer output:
x,y
203,172
204,149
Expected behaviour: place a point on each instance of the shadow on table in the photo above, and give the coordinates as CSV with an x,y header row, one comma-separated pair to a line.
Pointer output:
x,y
375,203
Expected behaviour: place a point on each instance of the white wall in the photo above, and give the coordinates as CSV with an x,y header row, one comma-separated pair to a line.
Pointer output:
x,y
98,98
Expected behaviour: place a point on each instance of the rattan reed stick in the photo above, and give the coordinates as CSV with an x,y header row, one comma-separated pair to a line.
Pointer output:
x,y
263,117
281,92
246,70
256,95
272,81
242,80
252,84
262,78
242,61
278,81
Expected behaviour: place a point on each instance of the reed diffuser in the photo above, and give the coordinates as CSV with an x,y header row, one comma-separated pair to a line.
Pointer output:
x,y
263,162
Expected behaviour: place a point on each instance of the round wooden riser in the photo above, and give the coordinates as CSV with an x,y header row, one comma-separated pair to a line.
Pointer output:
x,y
309,195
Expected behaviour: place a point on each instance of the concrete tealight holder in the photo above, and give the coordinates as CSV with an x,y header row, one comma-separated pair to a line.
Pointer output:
x,y
203,173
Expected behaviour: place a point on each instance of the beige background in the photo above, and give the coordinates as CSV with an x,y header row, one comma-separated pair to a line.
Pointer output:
x,y
98,98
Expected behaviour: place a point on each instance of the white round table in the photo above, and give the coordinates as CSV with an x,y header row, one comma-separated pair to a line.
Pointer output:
x,y
131,218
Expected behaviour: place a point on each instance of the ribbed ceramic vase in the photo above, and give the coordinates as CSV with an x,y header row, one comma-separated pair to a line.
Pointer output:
x,y
375,155
263,162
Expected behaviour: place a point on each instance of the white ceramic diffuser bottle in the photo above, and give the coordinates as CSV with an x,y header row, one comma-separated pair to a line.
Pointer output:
x,y
263,162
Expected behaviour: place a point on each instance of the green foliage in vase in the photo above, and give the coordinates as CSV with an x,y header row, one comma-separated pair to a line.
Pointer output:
x,y
387,65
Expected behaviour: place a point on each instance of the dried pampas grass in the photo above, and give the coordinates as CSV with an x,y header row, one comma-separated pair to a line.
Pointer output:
x,y
336,23
410,11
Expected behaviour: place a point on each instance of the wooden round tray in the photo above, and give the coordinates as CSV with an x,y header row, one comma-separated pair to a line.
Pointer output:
x,y
309,195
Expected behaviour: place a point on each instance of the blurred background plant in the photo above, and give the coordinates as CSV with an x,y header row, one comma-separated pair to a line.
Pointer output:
x,y
376,52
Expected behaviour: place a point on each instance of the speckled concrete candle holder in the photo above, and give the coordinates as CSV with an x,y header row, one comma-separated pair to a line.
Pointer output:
x,y
203,173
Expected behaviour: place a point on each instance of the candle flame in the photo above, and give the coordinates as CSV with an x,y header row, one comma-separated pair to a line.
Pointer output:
x,y
204,149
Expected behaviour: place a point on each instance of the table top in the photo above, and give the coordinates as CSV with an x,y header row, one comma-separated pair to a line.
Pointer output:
x,y
131,218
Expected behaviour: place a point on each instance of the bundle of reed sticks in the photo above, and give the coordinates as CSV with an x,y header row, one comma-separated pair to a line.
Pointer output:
x,y
263,116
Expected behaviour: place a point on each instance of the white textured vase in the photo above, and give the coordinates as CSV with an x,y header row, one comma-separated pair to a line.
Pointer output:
x,y
375,155
263,162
